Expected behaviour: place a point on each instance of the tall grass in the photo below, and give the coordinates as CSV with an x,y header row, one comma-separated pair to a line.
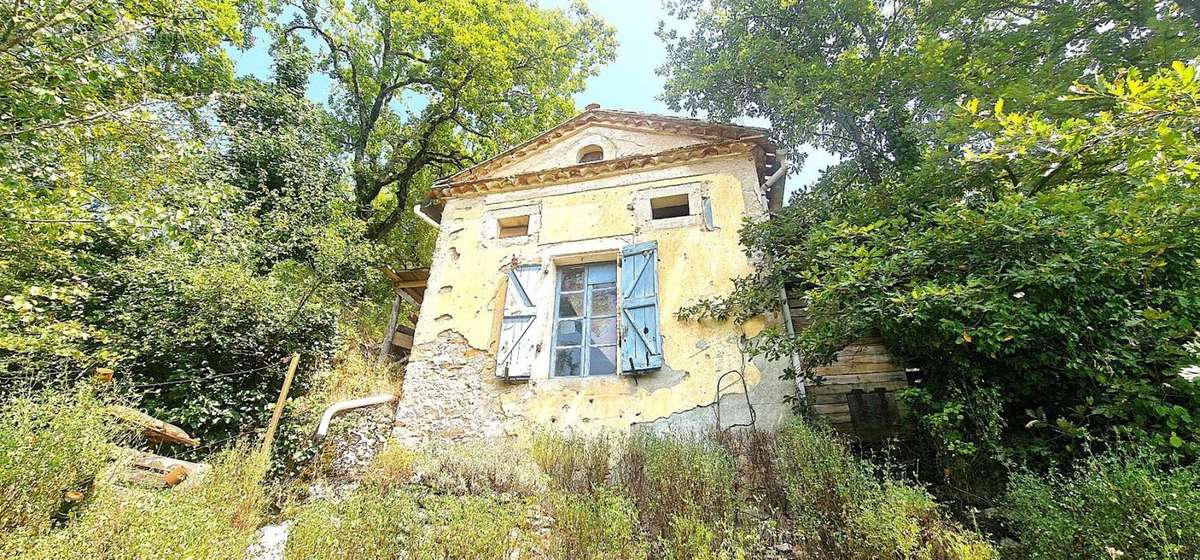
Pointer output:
x,y
1122,504
50,444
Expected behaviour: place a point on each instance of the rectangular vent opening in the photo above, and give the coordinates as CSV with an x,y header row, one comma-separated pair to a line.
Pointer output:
x,y
673,206
513,226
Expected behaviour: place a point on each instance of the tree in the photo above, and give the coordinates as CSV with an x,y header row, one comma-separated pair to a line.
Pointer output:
x,y
1042,286
425,88
875,81
76,62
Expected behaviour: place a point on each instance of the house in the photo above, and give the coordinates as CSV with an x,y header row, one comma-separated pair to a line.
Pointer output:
x,y
559,267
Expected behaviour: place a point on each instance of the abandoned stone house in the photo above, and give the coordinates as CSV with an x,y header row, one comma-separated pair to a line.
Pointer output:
x,y
558,269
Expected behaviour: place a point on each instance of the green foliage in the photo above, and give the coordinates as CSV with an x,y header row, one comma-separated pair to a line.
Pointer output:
x,y
574,462
423,90
1042,286
216,517
594,526
840,507
393,467
683,476
481,467
873,82
50,443
374,524
370,524
65,63
1126,504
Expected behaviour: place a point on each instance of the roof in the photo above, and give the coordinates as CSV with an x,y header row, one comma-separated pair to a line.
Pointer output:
x,y
723,139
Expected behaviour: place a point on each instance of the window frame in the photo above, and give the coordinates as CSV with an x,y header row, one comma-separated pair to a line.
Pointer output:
x,y
585,345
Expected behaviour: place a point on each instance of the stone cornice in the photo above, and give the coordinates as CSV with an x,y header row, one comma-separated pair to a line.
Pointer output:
x,y
449,188
619,119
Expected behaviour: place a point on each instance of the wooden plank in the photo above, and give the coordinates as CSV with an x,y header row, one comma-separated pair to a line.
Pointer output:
x,y
153,429
827,398
847,387
829,409
863,378
403,340
393,319
274,425
838,370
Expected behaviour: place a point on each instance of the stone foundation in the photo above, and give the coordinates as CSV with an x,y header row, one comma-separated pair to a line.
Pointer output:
x,y
447,394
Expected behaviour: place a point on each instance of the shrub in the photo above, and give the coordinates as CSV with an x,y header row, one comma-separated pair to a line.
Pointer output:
x,y
372,523
670,476
392,467
839,507
573,462
473,528
692,537
49,444
1131,504
369,524
216,517
479,467
602,525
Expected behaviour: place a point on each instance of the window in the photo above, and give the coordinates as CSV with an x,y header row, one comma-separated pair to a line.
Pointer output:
x,y
591,153
512,226
585,328
672,206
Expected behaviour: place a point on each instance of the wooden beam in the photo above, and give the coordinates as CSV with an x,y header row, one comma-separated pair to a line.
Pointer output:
x,y
274,425
386,347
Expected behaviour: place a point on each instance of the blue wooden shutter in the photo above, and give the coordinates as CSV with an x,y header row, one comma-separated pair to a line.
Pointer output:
x,y
641,341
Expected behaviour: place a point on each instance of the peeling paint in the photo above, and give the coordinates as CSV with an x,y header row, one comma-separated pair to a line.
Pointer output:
x,y
587,220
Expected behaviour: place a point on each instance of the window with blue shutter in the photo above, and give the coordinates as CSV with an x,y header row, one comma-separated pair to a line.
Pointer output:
x,y
641,341
585,315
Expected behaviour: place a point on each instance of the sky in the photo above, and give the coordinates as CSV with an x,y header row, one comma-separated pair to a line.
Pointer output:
x,y
628,83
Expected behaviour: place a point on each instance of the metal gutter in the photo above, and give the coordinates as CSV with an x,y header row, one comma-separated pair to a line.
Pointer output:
x,y
426,218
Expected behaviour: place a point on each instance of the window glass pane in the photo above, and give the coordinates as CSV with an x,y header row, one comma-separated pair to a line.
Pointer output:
x,y
604,302
604,331
570,305
570,332
567,362
571,279
602,361
602,273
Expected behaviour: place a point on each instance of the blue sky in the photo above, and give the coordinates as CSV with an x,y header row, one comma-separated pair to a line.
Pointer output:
x,y
629,82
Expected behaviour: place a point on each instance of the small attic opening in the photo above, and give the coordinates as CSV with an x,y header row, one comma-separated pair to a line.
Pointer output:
x,y
591,153
513,226
673,206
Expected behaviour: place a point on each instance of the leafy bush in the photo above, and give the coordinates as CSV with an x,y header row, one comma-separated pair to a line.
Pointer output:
x,y
214,517
600,525
1039,280
1129,504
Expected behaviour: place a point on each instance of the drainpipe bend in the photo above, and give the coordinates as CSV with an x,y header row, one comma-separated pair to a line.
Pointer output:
x,y
343,406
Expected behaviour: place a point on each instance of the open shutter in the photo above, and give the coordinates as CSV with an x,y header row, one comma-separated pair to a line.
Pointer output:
x,y
641,342
517,348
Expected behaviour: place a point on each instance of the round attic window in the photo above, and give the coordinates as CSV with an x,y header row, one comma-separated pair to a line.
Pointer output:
x,y
591,153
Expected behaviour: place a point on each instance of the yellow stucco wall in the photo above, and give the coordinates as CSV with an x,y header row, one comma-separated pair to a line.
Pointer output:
x,y
596,217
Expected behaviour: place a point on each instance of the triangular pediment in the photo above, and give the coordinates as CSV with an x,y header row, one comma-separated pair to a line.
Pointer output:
x,y
616,134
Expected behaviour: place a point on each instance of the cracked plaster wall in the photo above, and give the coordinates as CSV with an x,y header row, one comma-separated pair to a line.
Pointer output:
x,y
450,388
